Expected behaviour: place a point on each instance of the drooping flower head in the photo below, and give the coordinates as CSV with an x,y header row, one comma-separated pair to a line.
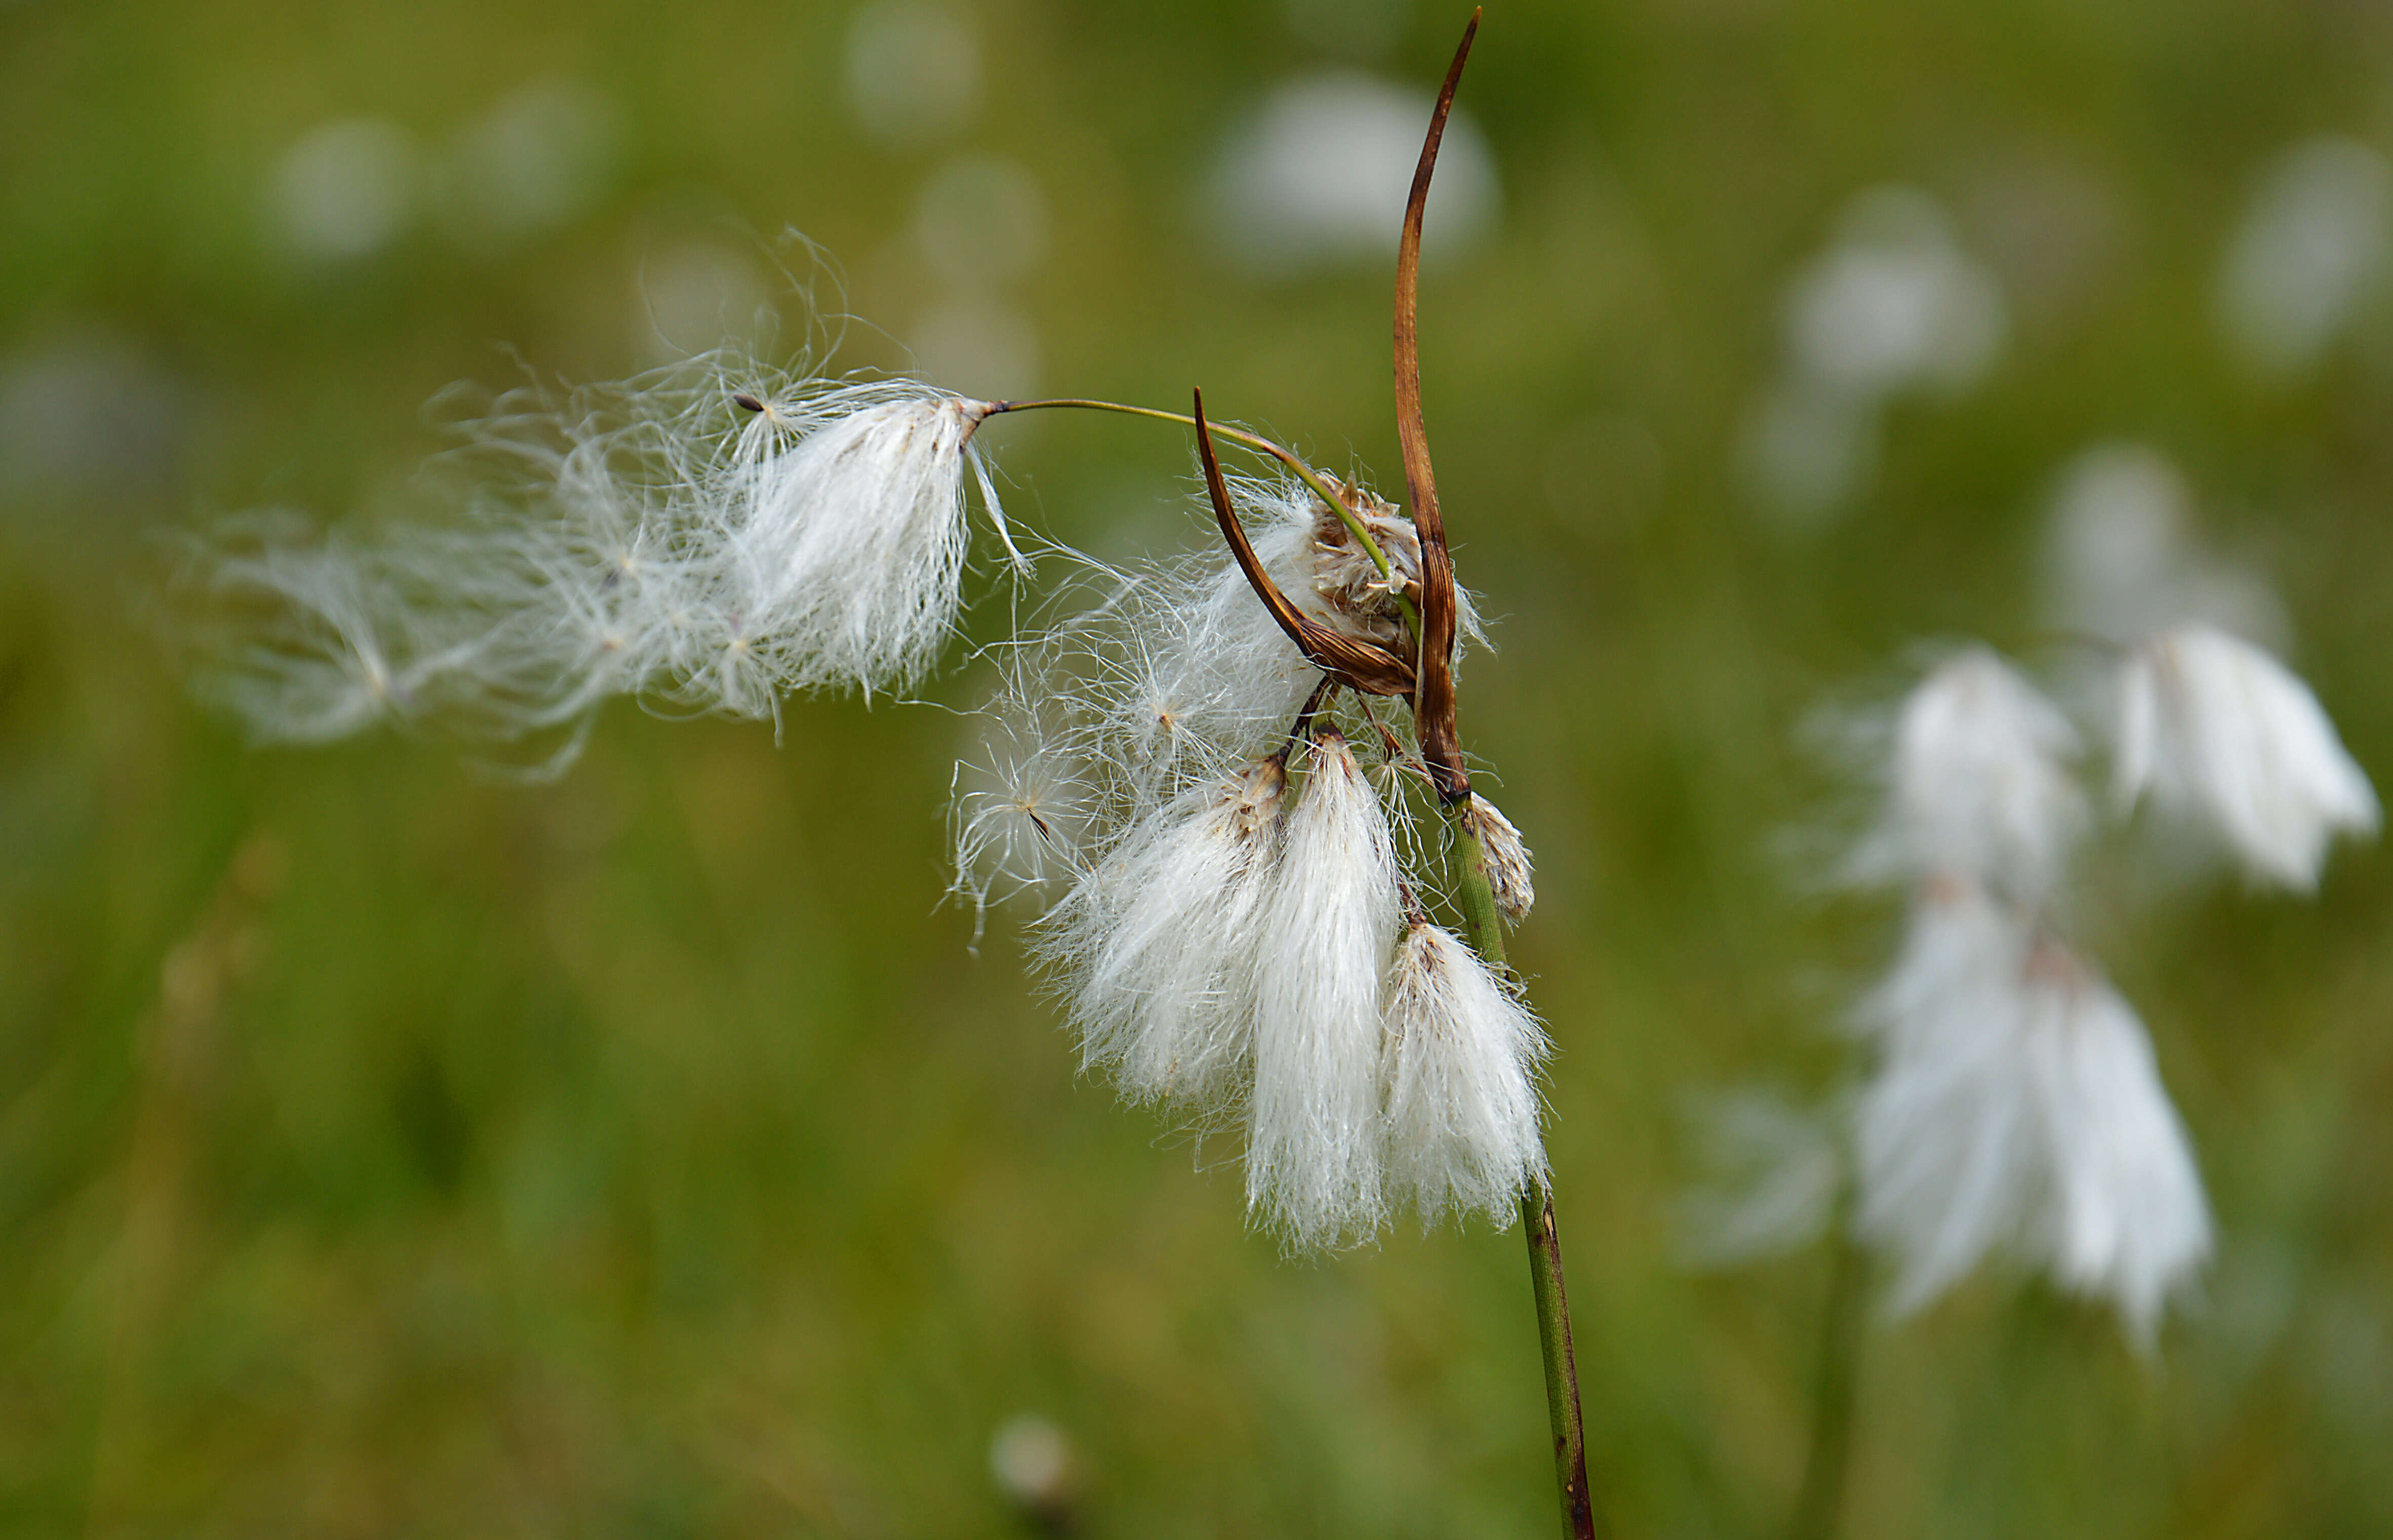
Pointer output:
x,y
2214,728
2016,1108
1462,1058
1314,1141
1976,783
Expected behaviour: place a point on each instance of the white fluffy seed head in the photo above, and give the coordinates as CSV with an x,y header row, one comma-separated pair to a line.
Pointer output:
x,y
1314,1145
850,542
1977,784
2128,1218
1462,1057
2015,1107
1154,948
2216,728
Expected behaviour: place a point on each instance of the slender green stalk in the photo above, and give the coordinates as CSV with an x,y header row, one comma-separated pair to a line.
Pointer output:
x,y
1818,1504
1286,456
1484,931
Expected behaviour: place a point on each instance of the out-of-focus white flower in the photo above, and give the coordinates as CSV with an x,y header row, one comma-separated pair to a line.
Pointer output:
x,y
2213,726
1317,175
537,159
914,70
2121,560
1807,450
1034,1464
2015,1106
1894,303
981,221
347,190
1314,1144
1977,784
1775,1169
2312,246
1463,1055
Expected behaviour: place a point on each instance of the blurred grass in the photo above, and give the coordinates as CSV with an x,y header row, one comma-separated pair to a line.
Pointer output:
x,y
386,1150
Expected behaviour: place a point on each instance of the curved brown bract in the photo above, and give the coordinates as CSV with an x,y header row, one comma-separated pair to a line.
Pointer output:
x,y
1357,664
1441,744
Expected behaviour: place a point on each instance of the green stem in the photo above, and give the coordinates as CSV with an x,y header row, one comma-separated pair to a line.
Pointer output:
x,y
1305,472
1825,1466
1484,931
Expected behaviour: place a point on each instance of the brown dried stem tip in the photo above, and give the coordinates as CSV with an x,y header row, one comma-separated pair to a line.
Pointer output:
x,y
1441,743
1360,665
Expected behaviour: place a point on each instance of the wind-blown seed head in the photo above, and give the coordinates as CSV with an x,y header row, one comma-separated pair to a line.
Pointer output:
x,y
2015,1107
2213,726
849,544
1977,784
1022,811
1153,946
645,539
303,653
1313,1140
1463,1055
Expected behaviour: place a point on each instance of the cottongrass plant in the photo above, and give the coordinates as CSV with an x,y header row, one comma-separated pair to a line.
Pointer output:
x,y
1201,766
2014,1105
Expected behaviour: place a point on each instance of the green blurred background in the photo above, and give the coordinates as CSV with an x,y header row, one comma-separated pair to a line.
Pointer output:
x,y
385,1149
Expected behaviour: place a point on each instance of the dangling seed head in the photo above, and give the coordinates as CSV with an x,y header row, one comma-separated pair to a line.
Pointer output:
x,y
1509,872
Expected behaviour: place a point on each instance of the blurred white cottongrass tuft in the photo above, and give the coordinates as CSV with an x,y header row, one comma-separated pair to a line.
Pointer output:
x,y
1894,306
1315,176
1772,1173
2013,1105
2216,728
913,71
2311,251
710,535
1034,1464
347,189
540,156
1976,781
2120,558
2016,1107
